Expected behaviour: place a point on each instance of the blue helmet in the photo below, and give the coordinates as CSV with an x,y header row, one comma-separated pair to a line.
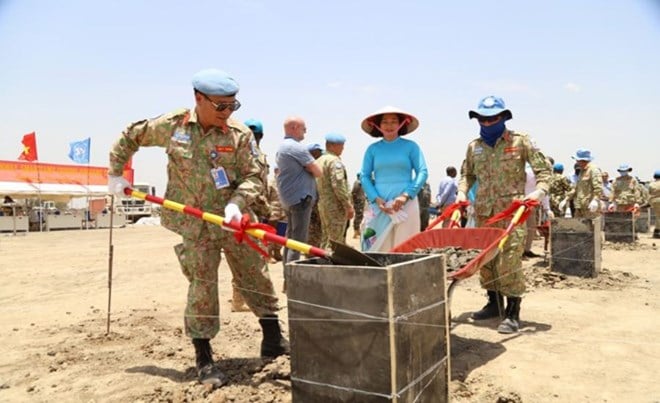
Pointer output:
x,y
558,167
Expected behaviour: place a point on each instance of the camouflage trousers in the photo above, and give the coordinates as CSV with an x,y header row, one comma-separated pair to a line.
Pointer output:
x,y
333,226
200,259
315,232
656,210
504,273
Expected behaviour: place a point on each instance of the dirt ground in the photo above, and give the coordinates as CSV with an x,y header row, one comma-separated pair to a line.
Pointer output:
x,y
583,340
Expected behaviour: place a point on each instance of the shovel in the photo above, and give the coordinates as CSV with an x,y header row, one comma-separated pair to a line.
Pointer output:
x,y
342,255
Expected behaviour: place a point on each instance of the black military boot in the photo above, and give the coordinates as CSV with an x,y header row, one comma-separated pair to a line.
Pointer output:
x,y
511,322
492,308
207,373
273,343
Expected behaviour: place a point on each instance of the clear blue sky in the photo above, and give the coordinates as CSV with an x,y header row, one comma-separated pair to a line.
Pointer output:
x,y
574,73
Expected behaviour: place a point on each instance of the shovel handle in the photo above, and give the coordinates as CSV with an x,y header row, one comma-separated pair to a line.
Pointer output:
x,y
232,226
514,221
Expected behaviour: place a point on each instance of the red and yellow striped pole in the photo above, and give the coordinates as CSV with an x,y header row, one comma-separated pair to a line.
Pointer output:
x,y
219,220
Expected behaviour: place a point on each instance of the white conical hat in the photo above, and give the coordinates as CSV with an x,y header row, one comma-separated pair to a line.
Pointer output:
x,y
369,128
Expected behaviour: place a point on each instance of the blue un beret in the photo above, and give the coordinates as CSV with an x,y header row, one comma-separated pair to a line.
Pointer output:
x,y
214,82
335,138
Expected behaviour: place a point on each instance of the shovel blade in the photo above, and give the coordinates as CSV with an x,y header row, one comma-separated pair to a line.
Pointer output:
x,y
344,255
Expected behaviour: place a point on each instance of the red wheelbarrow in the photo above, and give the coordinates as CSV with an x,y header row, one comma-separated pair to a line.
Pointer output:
x,y
489,240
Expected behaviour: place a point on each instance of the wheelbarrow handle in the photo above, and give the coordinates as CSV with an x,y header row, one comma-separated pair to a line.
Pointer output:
x,y
232,226
512,224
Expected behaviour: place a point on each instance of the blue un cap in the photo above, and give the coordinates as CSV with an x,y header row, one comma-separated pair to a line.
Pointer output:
x,y
313,147
214,82
335,138
491,106
656,174
255,125
558,167
582,155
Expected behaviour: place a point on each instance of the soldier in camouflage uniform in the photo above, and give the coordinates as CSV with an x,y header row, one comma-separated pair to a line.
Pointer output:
x,y
559,188
335,206
358,197
261,207
497,160
654,201
315,228
277,217
424,199
212,165
625,191
588,188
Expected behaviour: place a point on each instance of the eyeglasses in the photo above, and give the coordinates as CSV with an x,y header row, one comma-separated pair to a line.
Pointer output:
x,y
221,106
488,119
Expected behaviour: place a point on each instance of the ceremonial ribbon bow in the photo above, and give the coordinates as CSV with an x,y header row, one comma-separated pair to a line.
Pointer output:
x,y
245,224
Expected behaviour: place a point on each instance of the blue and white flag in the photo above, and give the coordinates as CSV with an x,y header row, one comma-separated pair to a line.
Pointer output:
x,y
79,151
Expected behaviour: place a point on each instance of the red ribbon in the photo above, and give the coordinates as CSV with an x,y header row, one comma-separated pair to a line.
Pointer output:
x,y
447,213
511,211
245,224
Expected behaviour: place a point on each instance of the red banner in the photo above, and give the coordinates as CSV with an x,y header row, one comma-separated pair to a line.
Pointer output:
x,y
14,171
29,152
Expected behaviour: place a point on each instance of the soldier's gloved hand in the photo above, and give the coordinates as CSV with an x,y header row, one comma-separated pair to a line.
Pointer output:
x,y
116,185
593,205
232,213
536,195
562,204
611,207
460,197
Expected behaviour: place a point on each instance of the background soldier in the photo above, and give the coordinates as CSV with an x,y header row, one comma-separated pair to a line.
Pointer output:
x,y
424,199
625,191
559,188
357,195
212,165
334,196
587,192
315,228
654,200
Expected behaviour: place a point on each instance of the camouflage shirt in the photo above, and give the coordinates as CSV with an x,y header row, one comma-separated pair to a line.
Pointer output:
x,y
192,154
500,171
625,191
589,186
559,188
332,185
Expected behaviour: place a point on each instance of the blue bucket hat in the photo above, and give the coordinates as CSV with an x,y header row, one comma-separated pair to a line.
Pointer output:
x,y
491,106
582,155
624,168
558,167
335,138
255,126
214,82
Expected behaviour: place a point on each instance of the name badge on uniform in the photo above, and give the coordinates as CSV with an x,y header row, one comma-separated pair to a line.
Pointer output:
x,y
181,136
220,178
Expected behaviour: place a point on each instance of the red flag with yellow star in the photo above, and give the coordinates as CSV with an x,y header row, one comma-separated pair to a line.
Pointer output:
x,y
29,147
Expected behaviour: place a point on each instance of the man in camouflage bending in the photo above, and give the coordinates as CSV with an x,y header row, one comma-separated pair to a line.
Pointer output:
x,y
212,166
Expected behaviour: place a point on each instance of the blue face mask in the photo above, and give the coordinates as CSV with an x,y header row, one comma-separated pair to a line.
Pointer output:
x,y
490,134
